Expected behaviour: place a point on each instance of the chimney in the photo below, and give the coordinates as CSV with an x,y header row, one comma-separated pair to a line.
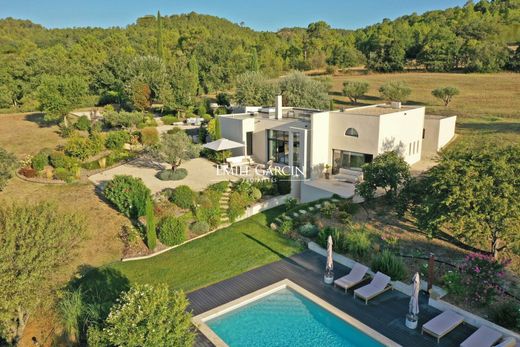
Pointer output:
x,y
395,104
278,107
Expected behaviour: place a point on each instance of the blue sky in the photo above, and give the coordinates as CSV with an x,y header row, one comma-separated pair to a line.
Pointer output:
x,y
260,15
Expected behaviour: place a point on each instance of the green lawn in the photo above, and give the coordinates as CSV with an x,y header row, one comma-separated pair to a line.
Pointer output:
x,y
238,248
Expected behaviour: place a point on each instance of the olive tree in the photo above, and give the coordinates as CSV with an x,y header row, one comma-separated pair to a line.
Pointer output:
x,y
395,91
146,315
36,240
175,148
354,90
445,94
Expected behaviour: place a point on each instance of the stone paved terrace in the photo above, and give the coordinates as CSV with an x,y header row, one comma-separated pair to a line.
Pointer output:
x,y
385,313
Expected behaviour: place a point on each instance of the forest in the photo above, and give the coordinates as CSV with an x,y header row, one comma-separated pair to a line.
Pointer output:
x,y
172,60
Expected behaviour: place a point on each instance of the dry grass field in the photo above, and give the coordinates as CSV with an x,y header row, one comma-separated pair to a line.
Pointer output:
x,y
491,95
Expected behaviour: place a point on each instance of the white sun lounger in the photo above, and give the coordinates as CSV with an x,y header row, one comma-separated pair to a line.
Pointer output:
x,y
483,337
356,275
442,324
379,284
508,342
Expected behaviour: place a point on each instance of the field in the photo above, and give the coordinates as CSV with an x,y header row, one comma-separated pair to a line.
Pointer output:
x,y
491,95
488,104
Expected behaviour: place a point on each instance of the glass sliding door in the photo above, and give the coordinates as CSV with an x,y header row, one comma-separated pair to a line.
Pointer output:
x,y
349,160
278,146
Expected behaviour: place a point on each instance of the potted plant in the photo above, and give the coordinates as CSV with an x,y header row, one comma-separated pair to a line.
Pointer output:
x,y
328,277
327,171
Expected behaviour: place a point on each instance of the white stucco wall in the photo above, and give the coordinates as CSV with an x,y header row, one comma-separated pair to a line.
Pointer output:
x,y
438,131
402,131
235,129
319,146
366,126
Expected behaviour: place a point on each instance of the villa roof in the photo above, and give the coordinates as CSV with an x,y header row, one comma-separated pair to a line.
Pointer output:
x,y
377,110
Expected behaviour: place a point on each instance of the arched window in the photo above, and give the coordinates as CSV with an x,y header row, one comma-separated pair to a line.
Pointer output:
x,y
351,132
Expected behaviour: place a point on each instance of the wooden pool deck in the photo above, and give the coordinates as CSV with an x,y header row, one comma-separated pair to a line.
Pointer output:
x,y
384,314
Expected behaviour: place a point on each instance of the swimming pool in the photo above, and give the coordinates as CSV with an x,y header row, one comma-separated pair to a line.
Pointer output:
x,y
286,315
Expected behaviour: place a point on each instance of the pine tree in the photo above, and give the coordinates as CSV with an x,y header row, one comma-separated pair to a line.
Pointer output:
x,y
160,52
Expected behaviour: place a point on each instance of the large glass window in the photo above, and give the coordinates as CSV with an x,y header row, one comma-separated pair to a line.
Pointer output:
x,y
349,160
296,149
278,146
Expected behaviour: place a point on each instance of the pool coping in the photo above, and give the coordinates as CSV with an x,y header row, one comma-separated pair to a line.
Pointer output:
x,y
200,320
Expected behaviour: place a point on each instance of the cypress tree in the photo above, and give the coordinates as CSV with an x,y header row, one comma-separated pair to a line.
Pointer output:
x,y
160,52
151,228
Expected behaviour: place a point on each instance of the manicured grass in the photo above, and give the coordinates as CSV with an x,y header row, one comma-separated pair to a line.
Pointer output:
x,y
238,248
494,94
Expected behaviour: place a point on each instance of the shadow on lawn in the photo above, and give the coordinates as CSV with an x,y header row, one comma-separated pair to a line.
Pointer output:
x,y
39,119
491,127
99,288
280,255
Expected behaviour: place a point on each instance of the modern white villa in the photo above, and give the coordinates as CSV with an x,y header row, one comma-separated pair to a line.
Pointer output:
x,y
341,140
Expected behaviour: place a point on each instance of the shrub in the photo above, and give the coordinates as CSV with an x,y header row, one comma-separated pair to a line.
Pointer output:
x,y
390,265
28,172
308,230
117,139
481,277
172,231
266,187
40,160
237,205
169,120
220,187
183,197
58,159
200,227
358,243
97,143
128,194
149,136
290,203
328,209
506,314
64,174
170,175
255,194
283,183
151,228
339,238
209,208
83,123
345,217
348,206
79,147
286,227
223,99
174,130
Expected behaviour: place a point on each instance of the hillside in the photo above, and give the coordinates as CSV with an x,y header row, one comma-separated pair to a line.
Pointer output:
x,y
203,54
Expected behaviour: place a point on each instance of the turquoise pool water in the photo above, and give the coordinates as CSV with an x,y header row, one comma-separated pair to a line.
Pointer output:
x,y
286,318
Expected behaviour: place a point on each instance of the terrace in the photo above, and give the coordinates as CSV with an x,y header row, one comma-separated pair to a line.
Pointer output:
x,y
385,314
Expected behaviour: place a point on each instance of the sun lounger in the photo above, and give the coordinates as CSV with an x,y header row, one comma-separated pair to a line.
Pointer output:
x,y
442,324
507,342
379,284
356,275
483,337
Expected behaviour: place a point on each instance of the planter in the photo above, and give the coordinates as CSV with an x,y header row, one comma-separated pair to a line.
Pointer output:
x,y
411,321
327,175
328,277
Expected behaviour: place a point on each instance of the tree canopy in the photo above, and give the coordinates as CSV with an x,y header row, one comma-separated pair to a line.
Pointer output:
x,y
145,316
175,148
473,195
35,240
181,56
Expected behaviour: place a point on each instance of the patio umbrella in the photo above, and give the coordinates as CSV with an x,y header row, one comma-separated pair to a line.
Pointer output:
x,y
413,308
223,144
330,262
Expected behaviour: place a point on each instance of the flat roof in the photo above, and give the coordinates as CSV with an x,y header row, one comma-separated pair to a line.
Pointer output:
x,y
436,116
378,110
